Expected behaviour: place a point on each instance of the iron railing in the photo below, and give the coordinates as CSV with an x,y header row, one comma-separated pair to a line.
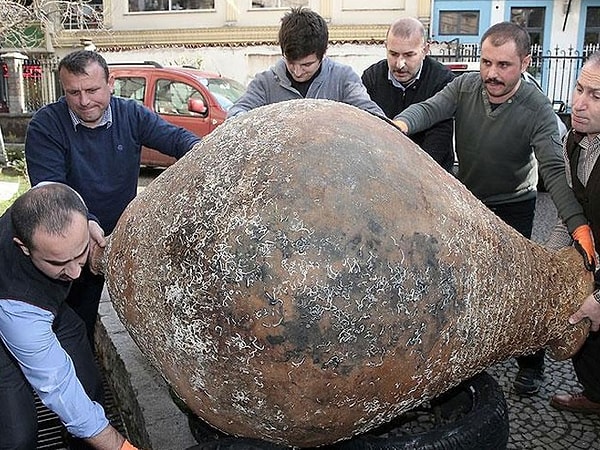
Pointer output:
x,y
40,83
82,15
556,70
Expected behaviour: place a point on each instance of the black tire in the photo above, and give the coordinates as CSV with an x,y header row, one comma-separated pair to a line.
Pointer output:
x,y
471,416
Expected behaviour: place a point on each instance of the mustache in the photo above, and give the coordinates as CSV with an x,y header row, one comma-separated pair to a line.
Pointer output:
x,y
493,81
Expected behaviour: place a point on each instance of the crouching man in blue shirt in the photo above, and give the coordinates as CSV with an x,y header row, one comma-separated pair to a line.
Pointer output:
x,y
44,243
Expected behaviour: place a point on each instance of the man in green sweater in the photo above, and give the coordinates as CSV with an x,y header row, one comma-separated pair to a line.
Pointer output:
x,y
504,129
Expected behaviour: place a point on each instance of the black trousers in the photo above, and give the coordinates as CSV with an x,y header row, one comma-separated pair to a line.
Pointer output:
x,y
18,418
84,298
519,216
587,366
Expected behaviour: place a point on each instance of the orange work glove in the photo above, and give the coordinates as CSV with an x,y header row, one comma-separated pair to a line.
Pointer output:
x,y
127,446
584,243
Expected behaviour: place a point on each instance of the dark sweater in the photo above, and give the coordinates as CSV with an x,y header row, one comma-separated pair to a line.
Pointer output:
x,y
437,140
102,163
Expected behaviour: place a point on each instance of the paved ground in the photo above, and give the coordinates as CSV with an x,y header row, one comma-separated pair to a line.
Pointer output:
x,y
534,424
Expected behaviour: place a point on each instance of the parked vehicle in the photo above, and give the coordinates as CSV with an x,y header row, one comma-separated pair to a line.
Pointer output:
x,y
187,97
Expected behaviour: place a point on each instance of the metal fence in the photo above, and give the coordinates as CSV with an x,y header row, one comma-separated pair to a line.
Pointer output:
x,y
556,70
40,83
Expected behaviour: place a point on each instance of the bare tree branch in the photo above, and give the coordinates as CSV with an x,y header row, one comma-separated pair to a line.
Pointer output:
x,y
19,19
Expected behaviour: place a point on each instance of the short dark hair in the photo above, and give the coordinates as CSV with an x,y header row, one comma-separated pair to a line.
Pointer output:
x,y
504,32
77,62
302,33
49,206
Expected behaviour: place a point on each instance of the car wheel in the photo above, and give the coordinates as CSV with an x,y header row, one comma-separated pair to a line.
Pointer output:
x,y
471,416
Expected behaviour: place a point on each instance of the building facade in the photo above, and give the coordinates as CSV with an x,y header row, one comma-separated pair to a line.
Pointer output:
x,y
551,23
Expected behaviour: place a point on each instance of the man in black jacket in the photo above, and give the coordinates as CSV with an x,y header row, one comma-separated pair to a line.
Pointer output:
x,y
409,76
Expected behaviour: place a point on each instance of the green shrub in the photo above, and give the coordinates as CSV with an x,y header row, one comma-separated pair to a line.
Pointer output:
x,y
15,152
19,167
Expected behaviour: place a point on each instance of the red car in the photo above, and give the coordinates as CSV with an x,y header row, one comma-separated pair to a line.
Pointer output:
x,y
187,97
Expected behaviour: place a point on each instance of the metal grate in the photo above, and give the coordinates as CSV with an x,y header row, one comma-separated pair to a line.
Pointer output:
x,y
51,432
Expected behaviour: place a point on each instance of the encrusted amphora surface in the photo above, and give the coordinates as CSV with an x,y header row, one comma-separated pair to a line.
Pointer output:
x,y
308,273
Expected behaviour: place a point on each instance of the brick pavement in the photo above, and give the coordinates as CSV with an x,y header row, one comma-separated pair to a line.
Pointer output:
x,y
534,424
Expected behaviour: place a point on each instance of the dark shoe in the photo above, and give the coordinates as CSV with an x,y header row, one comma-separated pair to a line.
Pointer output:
x,y
575,403
528,381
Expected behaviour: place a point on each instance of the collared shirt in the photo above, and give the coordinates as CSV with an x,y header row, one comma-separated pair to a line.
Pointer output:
x,y
106,118
399,85
590,150
26,330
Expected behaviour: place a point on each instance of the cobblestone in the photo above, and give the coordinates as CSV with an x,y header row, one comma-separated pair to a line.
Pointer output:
x,y
534,424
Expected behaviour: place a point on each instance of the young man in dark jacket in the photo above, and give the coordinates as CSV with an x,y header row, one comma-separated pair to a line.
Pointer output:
x,y
409,76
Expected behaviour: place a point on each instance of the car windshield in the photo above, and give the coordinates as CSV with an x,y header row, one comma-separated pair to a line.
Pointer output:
x,y
225,90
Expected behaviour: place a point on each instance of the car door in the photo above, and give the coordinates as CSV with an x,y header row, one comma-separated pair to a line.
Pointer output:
x,y
176,96
181,103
